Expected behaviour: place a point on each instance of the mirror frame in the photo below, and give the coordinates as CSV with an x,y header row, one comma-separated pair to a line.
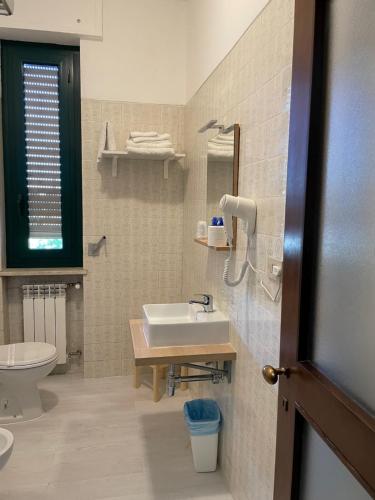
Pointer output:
x,y
235,177
236,168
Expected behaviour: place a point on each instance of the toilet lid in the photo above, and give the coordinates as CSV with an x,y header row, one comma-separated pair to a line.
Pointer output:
x,y
25,354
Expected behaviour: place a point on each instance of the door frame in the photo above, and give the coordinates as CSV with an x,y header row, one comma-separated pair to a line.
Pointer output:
x,y
305,394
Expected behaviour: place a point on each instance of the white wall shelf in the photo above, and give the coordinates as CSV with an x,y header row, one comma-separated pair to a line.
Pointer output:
x,y
124,155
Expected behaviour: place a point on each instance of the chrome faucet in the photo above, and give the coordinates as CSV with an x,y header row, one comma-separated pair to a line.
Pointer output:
x,y
207,302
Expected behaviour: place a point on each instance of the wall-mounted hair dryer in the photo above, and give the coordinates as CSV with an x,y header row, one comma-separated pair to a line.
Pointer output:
x,y
245,209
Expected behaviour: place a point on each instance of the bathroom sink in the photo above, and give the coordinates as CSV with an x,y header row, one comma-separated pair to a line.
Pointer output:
x,y
183,324
6,446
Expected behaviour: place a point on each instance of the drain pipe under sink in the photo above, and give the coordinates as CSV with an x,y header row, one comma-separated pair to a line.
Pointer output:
x,y
215,376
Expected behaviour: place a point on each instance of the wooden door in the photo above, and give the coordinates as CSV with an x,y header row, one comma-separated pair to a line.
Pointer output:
x,y
326,425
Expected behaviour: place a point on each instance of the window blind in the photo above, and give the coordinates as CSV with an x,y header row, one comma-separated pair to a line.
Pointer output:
x,y
43,154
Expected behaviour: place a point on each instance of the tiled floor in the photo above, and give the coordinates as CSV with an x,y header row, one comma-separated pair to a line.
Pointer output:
x,y
102,439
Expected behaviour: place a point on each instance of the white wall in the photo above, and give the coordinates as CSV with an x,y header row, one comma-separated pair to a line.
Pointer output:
x,y
53,21
213,28
142,55
156,51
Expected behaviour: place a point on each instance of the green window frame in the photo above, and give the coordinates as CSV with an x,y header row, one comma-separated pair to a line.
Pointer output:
x,y
15,57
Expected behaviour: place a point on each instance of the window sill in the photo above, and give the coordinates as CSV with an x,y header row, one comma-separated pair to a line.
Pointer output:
x,y
53,271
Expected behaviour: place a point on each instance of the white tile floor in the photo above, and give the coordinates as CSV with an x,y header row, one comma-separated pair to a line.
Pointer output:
x,y
102,439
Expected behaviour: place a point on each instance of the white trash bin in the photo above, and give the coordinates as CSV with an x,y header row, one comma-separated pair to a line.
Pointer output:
x,y
203,419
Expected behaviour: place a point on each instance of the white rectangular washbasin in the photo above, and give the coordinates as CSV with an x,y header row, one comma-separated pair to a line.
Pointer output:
x,y
183,324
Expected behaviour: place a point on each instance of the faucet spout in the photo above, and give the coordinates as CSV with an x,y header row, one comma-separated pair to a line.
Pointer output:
x,y
207,302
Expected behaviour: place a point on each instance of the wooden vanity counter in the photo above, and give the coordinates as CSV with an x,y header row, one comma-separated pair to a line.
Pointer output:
x,y
145,355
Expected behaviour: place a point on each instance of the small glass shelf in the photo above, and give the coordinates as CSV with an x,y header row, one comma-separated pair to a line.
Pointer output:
x,y
204,242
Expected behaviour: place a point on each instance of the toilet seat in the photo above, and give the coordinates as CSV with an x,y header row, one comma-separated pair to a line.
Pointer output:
x,y
26,355
22,366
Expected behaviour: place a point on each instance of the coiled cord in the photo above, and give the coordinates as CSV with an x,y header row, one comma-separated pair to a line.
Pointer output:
x,y
226,278
243,270
247,264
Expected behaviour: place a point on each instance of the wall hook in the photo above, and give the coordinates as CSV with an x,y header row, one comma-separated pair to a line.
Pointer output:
x,y
93,249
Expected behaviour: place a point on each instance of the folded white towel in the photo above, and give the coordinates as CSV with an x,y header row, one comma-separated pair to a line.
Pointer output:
x,y
142,134
156,153
224,143
106,140
225,137
220,147
217,155
157,138
158,144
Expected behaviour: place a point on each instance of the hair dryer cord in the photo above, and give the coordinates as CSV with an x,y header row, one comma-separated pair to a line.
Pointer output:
x,y
226,279
243,270
247,264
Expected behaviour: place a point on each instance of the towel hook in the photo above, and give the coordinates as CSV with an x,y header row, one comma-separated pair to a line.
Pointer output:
x,y
209,125
93,249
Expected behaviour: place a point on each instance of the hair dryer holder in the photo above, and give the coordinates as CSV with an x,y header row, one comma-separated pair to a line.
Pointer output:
x,y
242,208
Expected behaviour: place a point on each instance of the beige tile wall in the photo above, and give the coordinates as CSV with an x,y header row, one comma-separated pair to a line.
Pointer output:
x,y
141,215
251,87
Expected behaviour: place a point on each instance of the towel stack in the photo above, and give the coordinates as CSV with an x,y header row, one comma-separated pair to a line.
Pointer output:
x,y
220,147
149,144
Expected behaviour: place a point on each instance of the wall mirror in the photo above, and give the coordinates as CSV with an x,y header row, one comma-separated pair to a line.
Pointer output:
x,y
222,177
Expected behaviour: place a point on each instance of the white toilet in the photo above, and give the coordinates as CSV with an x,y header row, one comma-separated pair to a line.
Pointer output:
x,y
6,446
21,367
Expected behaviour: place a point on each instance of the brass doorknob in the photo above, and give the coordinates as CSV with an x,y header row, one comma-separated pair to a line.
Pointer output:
x,y
271,374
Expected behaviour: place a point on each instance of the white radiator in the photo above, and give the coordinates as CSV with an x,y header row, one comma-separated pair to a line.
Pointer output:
x,y
44,316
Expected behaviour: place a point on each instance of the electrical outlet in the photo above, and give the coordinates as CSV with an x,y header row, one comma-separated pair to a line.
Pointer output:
x,y
274,268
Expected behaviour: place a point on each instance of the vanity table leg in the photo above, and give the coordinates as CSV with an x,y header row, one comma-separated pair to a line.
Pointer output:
x,y
156,376
164,371
137,377
184,373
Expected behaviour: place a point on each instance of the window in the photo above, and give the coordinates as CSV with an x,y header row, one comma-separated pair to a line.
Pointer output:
x,y
42,155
